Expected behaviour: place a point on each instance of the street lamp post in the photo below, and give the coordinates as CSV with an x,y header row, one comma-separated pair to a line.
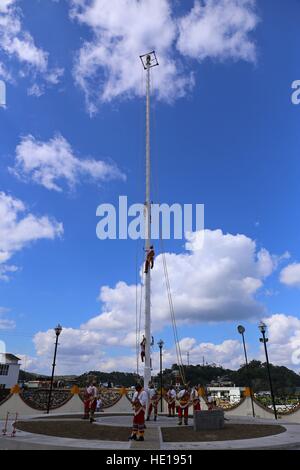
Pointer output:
x,y
58,331
241,331
263,328
188,358
161,345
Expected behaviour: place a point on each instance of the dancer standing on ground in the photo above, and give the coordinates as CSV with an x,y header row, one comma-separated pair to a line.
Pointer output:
x,y
184,401
139,404
93,395
153,399
195,399
86,401
171,398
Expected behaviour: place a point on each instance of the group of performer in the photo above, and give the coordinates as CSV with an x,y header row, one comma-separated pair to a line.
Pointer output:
x,y
144,404
181,401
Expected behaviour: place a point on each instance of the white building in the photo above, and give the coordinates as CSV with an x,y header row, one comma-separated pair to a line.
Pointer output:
x,y
229,394
9,370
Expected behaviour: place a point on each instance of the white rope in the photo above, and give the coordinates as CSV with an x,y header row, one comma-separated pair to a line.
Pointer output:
x,y
166,274
173,318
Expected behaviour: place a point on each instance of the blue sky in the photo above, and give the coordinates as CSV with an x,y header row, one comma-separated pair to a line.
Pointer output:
x,y
225,134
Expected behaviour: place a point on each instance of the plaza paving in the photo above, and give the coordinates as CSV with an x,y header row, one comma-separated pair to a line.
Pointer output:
x,y
290,439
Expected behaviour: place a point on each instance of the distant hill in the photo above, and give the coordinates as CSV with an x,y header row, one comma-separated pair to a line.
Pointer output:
x,y
122,379
284,379
27,376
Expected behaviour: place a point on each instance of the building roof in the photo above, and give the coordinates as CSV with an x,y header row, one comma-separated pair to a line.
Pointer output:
x,y
9,357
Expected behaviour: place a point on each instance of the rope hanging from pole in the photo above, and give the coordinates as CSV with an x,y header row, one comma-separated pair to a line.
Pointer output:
x,y
138,322
173,318
166,274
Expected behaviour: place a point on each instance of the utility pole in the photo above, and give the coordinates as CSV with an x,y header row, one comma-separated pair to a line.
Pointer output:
x,y
148,60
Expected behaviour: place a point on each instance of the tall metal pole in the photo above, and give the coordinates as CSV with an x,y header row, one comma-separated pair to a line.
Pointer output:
x,y
147,369
57,330
264,340
248,375
160,344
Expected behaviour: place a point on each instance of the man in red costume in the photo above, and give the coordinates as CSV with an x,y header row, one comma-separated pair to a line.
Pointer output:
x,y
154,399
143,349
149,259
195,399
90,401
86,402
139,404
171,398
184,401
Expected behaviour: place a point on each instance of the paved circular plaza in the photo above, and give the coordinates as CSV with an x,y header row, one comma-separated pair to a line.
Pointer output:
x,y
110,431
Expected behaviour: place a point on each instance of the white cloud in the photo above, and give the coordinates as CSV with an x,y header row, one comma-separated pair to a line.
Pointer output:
x,y
18,228
49,163
18,44
219,29
284,340
290,275
6,270
4,73
35,90
216,283
85,341
5,323
5,4
54,75
83,350
79,350
32,364
14,41
228,354
107,66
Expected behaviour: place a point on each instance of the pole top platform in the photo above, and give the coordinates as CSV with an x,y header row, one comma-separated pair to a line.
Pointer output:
x,y
149,60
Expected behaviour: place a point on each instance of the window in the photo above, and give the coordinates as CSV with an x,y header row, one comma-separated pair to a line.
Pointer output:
x,y
4,369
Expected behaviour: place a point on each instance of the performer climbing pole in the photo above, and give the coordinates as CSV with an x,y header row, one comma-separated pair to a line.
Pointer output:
x,y
143,349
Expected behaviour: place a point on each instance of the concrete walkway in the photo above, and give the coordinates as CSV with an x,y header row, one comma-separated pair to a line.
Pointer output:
x,y
153,439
